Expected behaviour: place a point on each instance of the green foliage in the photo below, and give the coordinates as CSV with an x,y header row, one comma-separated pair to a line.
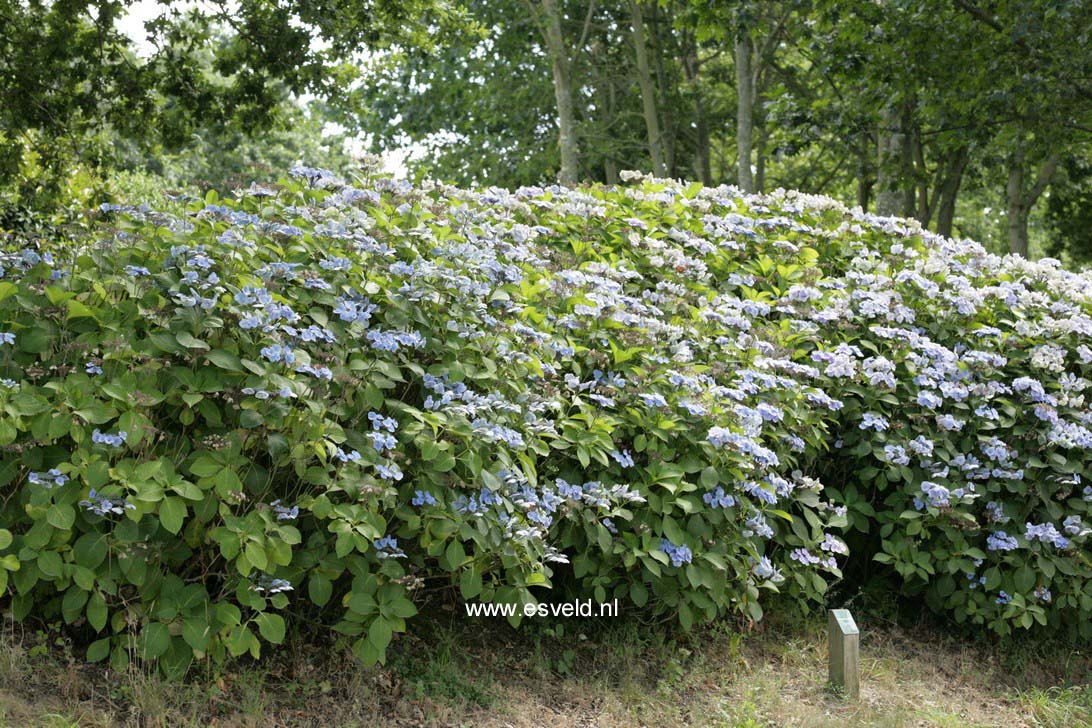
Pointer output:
x,y
211,435
226,419
960,95
77,88
1069,212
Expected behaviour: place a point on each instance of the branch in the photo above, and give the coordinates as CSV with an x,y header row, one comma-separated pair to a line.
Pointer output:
x,y
1046,173
536,17
587,24
981,15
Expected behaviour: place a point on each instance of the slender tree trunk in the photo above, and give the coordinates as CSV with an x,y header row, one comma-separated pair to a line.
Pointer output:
x,y
1018,231
610,171
703,164
1021,202
864,192
705,167
1017,215
744,110
864,172
949,190
760,158
648,91
664,82
906,172
559,60
701,128
925,201
604,112
890,164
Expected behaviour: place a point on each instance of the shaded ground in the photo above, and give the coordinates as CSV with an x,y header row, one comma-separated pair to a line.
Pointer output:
x,y
453,673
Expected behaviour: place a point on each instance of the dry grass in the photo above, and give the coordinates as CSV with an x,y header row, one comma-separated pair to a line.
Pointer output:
x,y
625,675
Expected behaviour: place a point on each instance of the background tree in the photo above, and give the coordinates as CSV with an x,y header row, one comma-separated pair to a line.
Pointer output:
x,y
964,115
73,84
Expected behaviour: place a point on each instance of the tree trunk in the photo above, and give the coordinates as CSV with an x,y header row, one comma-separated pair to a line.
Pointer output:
x,y
648,91
744,110
949,190
559,60
864,172
926,199
610,171
906,171
864,192
1018,231
760,158
889,197
665,80
1017,215
703,164
604,113
1020,203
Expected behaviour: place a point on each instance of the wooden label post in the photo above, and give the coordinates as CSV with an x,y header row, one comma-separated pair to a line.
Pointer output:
x,y
844,645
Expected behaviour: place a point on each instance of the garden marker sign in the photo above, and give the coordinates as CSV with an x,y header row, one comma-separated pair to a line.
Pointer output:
x,y
844,642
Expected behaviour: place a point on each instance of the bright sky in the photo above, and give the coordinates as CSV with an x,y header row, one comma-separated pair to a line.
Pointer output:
x,y
132,24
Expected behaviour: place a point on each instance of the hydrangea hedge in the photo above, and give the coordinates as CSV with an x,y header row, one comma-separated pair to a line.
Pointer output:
x,y
302,405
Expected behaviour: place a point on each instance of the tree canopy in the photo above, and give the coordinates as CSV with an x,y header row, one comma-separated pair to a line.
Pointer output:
x,y
74,85
902,106
944,112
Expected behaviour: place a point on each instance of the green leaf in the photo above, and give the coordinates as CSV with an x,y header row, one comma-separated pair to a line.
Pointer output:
x,y
205,467
239,640
638,593
455,554
256,555
402,608
61,516
380,632
271,626
225,360
72,604
79,310
444,462
98,650
90,550
250,419
470,583
1024,578
319,589
188,490
367,652
672,531
27,405
686,617
96,611
50,564
189,341
363,603
172,512
154,640
196,632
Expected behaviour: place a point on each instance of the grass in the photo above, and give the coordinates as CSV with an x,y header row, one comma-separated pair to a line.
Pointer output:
x,y
455,672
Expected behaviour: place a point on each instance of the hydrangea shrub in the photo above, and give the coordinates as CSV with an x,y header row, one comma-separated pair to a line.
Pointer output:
x,y
965,376
308,402
302,404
